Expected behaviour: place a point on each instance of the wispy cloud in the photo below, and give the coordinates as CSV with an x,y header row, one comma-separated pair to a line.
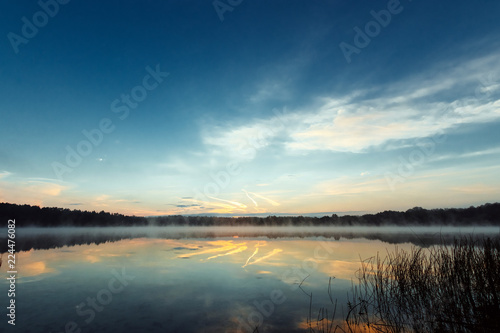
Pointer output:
x,y
476,189
4,174
234,203
249,197
412,108
270,90
272,202
350,186
45,187
474,154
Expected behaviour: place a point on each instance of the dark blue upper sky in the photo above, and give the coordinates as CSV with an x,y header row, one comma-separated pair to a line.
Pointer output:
x,y
267,90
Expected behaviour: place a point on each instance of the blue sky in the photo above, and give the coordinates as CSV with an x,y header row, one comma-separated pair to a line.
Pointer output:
x,y
249,107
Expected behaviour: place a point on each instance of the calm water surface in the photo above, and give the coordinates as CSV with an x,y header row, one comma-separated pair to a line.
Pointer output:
x,y
191,279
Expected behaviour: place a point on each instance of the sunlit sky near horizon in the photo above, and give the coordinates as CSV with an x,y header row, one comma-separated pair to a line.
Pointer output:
x,y
249,107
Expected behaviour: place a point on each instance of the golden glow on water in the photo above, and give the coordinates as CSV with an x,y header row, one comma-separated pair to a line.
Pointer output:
x,y
35,268
181,274
266,255
325,323
253,254
237,250
224,246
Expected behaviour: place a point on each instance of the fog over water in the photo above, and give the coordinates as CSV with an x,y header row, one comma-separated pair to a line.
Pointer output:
x,y
45,238
293,231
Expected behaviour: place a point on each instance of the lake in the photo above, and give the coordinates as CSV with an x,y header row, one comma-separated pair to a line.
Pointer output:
x,y
189,279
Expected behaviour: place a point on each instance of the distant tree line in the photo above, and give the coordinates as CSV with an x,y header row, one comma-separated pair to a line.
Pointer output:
x,y
26,215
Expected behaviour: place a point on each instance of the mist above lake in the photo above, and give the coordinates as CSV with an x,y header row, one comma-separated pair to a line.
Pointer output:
x,y
45,238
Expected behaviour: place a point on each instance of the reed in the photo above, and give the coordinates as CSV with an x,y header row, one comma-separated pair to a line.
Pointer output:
x,y
440,289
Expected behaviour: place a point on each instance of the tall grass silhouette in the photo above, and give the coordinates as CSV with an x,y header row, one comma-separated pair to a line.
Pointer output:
x,y
443,288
